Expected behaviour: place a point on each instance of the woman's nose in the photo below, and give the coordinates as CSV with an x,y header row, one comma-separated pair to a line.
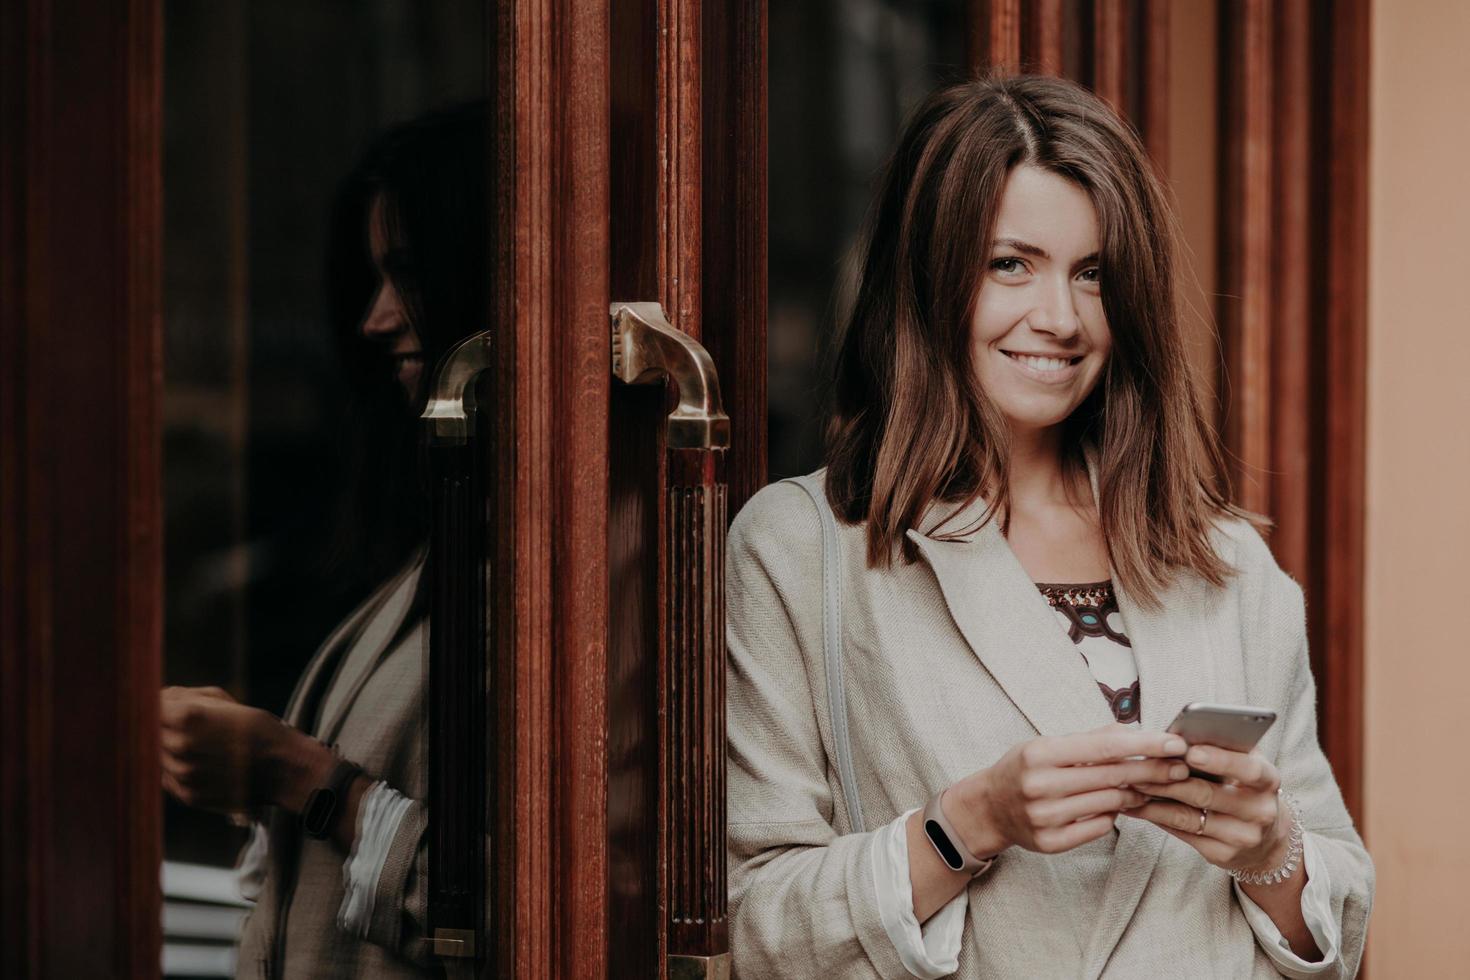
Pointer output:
x,y
385,317
1055,311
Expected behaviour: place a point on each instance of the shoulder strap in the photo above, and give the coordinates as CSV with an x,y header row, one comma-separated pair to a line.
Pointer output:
x,y
832,645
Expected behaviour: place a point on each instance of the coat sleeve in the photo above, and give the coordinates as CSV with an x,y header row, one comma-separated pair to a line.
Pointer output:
x,y
398,920
1305,771
803,899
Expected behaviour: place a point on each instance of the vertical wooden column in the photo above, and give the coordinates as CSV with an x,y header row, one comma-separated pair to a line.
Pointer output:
x,y
80,514
993,35
733,292
1246,260
1293,216
1153,101
550,417
1041,37
1109,51
680,132
1290,332
1336,615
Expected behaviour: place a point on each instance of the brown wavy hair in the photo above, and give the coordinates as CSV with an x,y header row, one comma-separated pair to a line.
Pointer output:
x,y
910,423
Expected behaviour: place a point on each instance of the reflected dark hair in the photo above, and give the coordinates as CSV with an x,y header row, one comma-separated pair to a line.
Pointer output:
x,y
431,174
911,424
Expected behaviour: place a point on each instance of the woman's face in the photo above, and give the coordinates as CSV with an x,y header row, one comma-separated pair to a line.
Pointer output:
x,y
1039,339
386,321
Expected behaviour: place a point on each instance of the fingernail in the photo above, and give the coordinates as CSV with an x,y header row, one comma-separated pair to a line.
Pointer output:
x,y
1175,746
1199,756
1178,772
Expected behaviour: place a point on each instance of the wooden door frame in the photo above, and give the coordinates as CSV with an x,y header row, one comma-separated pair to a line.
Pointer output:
x,y
80,498
566,103
80,510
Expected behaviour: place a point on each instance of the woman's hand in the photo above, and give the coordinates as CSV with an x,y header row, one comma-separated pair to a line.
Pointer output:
x,y
1056,793
219,754
1246,826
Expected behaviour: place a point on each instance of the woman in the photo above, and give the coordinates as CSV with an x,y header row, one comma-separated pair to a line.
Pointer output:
x,y
1036,573
337,865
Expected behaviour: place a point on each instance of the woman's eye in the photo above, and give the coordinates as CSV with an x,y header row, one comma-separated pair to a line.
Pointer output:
x,y
1008,266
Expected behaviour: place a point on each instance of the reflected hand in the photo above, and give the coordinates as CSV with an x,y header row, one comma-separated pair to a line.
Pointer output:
x,y
219,754
1247,826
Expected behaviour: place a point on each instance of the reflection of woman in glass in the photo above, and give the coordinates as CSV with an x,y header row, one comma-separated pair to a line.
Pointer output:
x,y
337,864
1036,574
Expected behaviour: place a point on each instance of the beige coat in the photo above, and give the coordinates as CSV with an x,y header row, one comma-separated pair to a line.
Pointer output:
x,y
949,662
366,687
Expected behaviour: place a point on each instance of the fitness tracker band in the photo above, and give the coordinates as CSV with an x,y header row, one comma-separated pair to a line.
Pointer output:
x,y
322,806
947,843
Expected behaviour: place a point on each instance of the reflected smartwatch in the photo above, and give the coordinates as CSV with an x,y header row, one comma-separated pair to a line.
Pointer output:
x,y
322,806
947,843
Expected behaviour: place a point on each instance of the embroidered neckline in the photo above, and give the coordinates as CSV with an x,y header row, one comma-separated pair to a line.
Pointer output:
x,y
1083,594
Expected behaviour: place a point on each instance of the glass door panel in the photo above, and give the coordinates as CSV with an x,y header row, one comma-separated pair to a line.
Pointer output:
x,y
324,243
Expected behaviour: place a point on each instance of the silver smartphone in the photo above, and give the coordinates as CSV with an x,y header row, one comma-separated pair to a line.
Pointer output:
x,y
1235,727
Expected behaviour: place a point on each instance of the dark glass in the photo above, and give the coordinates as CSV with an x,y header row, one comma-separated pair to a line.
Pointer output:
x,y
843,76
269,107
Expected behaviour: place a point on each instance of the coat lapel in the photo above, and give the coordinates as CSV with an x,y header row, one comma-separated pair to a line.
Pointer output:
x,y
374,643
325,660
1013,632
1174,667
1011,629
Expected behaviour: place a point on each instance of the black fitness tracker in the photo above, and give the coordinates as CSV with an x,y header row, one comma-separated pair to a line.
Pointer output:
x,y
320,812
947,842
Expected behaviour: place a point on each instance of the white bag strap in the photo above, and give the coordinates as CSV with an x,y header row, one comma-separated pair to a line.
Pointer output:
x,y
832,645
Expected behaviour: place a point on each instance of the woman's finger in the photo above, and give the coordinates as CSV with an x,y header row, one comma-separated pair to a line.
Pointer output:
x,y
1070,780
1245,768
1236,834
1069,809
1055,840
1218,854
1243,802
1110,744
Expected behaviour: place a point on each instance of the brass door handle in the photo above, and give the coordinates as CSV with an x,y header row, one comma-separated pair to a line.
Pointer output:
x,y
450,411
646,348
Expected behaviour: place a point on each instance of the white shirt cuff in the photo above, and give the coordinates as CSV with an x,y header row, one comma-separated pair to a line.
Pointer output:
x,y
250,872
381,811
1316,910
930,951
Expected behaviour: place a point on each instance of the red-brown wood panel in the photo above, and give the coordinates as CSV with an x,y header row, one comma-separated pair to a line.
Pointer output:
x,y
1153,101
734,241
1291,264
1342,242
1041,37
552,417
680,113
1244,311
80,525
1110,51
993,35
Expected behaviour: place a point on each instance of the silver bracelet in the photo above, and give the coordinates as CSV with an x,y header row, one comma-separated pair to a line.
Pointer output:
x,y
1275,876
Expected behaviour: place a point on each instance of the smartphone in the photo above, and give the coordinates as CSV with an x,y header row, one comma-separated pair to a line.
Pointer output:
x,y
1230,726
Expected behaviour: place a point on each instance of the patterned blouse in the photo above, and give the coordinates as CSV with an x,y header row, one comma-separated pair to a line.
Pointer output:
x,y
1089,614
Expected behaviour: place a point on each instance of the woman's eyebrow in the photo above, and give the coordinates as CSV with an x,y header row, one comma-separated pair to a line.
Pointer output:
x,y
1026,248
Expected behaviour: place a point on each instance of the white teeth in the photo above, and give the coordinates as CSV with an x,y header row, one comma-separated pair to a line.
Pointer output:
x,y
1042,363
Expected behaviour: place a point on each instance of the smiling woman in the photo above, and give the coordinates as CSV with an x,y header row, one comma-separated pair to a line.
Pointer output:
x,y
1031,570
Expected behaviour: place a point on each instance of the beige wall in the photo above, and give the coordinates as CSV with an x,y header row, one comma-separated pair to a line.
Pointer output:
x,y
1417,711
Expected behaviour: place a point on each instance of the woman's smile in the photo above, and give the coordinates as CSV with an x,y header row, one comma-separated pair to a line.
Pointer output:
x,y
1045,369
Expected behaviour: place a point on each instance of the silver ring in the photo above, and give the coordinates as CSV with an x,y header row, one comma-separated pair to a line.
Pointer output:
x,y
1204,815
